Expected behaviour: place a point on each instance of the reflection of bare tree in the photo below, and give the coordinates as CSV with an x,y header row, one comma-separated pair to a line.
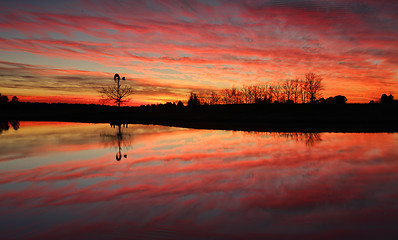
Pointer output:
x,y
120,140
309,138
4,126
14,124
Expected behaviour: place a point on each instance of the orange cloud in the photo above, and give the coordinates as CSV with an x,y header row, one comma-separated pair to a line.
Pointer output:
x,y
352,44
197,183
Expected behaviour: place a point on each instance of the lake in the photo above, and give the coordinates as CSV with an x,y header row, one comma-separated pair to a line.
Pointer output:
x,y
97,181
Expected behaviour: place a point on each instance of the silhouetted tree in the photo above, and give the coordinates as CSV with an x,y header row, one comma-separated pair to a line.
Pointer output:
x,y
309,138
288,89
180,104
14,99
4,126
302,89
277,93
15,124
313,85
193,100
3,99
386,99
236,96
246,93
117,94
296,90
214,98
257,93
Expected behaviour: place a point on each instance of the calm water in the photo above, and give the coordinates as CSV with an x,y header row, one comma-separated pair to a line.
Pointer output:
x,y
64,181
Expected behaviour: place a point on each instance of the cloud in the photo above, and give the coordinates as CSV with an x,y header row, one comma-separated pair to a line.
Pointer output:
x,y
64,85
191,42
219,183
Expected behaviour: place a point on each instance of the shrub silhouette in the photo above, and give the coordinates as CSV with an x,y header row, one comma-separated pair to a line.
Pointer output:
x,y
339,99
14,99
384,99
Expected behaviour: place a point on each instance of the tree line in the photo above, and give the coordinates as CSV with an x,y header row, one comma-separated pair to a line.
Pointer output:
x,y
5,99
306,90
297,90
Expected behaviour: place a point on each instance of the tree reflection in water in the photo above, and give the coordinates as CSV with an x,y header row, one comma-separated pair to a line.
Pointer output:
x,y
4,126
309,138
120,139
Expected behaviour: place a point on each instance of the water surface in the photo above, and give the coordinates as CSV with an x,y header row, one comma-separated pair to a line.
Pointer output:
x,y
96,181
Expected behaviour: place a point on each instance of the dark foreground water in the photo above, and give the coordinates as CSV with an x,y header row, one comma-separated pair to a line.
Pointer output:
x,y
94,181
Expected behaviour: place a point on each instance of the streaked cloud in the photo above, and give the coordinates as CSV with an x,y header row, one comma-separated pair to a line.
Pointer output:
x,y
191,45
215,182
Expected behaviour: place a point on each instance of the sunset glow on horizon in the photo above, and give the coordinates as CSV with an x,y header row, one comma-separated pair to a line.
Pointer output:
x,y
65,51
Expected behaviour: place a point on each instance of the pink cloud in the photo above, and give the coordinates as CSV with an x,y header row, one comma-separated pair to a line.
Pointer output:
x,y
215,182
224,44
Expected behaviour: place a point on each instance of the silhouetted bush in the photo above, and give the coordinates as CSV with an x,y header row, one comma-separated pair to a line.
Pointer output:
x,y
339,99
14,99
387,99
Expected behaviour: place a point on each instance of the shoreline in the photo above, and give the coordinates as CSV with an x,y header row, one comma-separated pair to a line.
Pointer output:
x,y
256,117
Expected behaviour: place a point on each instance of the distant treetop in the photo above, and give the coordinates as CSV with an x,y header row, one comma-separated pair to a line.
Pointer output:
x,y
384,99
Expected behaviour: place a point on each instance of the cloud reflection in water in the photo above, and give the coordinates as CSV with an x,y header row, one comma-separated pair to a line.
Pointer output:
x,y
182,183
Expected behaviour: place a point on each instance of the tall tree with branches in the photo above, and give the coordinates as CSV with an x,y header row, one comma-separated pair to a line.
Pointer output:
x,y
313,86
117,93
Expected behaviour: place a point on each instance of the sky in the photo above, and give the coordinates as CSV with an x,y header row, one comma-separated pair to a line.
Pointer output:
x,y
65,51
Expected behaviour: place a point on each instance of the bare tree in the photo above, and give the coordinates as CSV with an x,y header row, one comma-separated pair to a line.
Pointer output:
x,y
246,92
288,88
277,93
257,92
296,90
214,98
303,91
117,94
313,85
236,96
